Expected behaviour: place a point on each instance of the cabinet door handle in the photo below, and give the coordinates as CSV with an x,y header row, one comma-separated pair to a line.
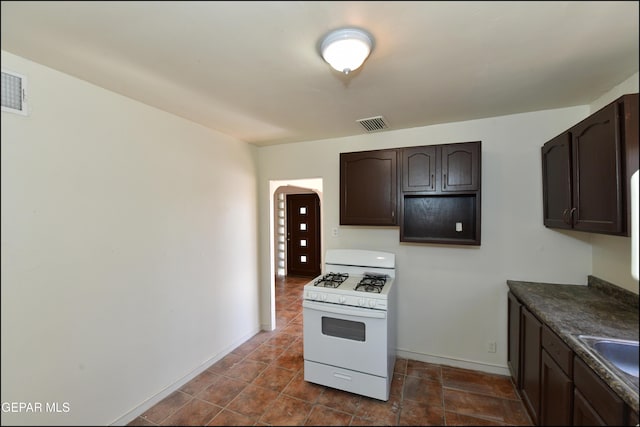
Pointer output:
x,y
444,183
433,181
567,216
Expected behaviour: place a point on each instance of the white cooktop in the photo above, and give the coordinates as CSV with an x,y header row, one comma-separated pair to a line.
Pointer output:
x,y
346,293
355,263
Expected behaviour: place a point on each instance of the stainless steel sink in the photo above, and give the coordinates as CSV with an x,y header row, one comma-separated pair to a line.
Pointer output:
x,y
622,354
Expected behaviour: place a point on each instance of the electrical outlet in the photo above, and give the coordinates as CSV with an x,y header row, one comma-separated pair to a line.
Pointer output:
x,y
491,346
334,232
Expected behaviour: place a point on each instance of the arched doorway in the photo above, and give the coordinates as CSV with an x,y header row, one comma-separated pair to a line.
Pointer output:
x,y
278,230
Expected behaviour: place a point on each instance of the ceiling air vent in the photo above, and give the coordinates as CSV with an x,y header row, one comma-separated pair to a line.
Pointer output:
x,y
373,124
14,93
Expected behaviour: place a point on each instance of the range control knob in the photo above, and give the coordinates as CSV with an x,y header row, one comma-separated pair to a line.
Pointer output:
x,y
361,301
342,300
313,295
324,297
372,303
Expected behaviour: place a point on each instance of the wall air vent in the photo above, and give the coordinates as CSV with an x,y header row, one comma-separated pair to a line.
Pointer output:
x,y
14,92
373,124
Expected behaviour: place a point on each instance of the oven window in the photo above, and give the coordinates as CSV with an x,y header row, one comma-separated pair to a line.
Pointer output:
x,y
343,328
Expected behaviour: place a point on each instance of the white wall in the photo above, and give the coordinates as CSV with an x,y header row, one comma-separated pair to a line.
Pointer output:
x,y
129,256
612,254
452,298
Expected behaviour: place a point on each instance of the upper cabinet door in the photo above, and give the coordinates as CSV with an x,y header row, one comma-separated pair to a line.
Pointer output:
x,y
419,168
460,167
556,181
603,154
597,195
368,187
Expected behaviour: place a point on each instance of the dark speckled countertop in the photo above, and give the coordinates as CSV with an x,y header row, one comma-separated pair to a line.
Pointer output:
x,y
599,309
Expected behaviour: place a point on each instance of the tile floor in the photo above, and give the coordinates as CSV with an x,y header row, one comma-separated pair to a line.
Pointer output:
x,y
261,383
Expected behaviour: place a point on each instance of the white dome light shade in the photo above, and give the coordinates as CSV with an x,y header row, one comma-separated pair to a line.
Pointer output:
x,y
346,49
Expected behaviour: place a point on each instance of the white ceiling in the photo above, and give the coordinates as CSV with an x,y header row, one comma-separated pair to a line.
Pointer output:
x,y
252,70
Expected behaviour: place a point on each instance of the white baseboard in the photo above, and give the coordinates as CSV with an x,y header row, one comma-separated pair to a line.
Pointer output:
x,y
177,385
456,363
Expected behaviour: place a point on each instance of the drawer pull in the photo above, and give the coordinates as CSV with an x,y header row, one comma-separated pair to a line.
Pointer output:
x,y
342,376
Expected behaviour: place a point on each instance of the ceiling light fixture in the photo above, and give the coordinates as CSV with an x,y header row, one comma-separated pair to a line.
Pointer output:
x,y
345,49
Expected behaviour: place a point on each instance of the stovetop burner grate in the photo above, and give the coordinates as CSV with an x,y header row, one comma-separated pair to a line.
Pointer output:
x,y
371,283
331,280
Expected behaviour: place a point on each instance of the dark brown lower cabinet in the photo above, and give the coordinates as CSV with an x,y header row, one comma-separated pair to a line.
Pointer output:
x,y
530,363
598,400
514,307
583,412
556,386
556,393
556,380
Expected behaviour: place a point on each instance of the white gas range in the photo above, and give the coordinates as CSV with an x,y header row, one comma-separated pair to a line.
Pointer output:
x,y
349,323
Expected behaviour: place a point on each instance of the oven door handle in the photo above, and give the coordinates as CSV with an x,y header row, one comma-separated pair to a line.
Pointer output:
x,y
351,311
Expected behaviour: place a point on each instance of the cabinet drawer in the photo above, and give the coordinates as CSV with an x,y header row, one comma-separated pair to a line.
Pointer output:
x,y
558,350
603,400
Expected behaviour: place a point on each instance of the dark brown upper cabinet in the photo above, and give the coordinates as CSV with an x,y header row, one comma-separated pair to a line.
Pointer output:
x,y
441,168
586,171
460,170
419,168
440,193
556,184
369,187
436,188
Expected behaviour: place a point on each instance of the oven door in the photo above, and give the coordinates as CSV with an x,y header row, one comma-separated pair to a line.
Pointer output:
x,y
346,337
